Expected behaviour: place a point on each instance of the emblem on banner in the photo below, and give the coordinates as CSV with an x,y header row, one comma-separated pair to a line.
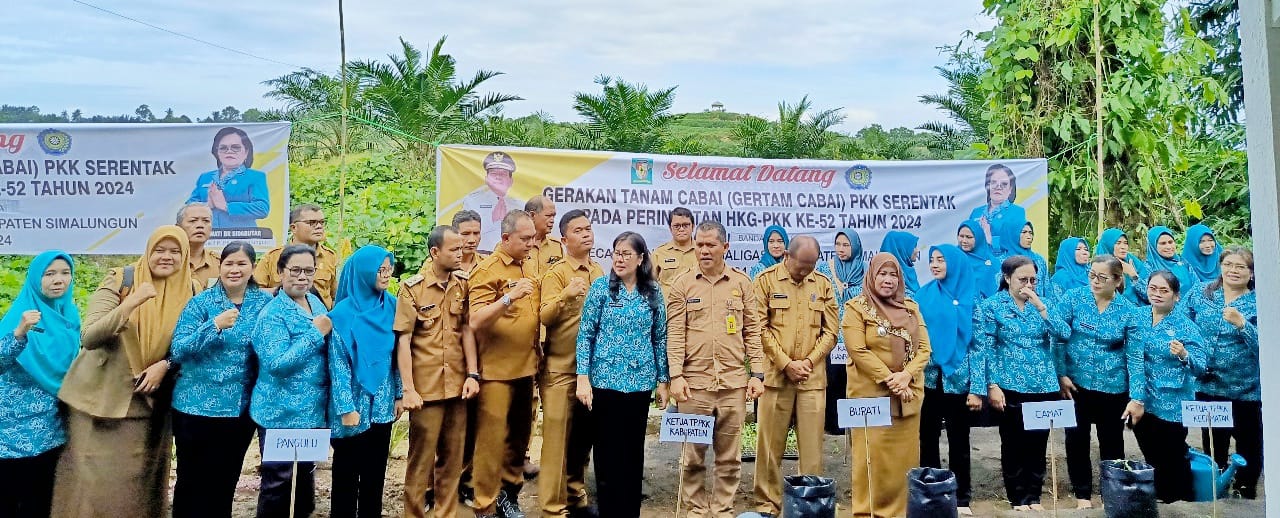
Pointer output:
x,y
858,176
642,171
54,142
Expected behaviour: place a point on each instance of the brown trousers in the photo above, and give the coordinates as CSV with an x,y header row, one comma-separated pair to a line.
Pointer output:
x,y
729,407
437,435
778,407
502,437
566,445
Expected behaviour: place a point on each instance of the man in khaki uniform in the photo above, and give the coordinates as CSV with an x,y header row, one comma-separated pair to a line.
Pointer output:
x,y
436,356
712,325
798,308
468,225
306,224
504,315
566,440
547,250
676,256
196,219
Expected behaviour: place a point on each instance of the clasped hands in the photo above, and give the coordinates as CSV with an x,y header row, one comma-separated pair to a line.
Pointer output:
x,y
899,384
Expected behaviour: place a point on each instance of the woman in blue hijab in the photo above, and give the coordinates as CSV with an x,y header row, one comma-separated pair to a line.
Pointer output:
x,y
366,388
1162,254
973,242
947,303
1071,267
904,246
1114,241
40,337
1201,252
776,242
1018,240
846,271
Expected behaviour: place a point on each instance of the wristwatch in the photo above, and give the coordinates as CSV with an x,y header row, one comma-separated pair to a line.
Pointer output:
x,y
506,300
758,375
474,376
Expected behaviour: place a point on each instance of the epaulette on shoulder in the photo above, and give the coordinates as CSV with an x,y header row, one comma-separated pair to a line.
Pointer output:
x,y
739,271
413,281
466,276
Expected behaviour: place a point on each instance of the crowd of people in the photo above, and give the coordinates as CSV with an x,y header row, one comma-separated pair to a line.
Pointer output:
x,y
190,352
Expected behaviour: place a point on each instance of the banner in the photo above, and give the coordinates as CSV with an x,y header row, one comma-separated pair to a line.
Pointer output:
x,y
627,191
102,188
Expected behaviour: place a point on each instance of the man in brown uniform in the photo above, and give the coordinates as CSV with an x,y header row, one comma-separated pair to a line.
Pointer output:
x,y
676,256
196,219
436,355
467,222
306,224
712,325
566,441
798,308
547,250
504,315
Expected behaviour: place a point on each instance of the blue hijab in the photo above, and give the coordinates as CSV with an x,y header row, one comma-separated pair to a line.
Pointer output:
x,y
1067,273
363,316
1107,245
947,307
767,260
902,245
980,260
1204,267
1010,235
1156,262
54,342
852,271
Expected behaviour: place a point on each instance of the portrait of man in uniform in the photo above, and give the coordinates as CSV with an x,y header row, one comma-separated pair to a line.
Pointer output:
x,y
492,201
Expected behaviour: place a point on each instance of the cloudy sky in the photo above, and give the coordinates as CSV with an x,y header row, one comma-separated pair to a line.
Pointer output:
x,y
872,58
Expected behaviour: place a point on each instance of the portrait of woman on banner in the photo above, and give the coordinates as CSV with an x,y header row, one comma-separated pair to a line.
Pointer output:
x,y
1000,210
237,193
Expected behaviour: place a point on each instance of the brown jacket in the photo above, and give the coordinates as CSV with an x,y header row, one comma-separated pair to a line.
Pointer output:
x,y
800,322
870,355
701,345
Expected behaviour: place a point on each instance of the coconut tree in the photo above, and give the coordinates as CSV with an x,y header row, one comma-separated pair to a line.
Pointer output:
x,y
796,134
623,117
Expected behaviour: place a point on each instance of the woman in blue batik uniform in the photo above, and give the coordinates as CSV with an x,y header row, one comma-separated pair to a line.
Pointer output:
x,y
1113,241
366,386
973,242
846,271
236,193
1162,254
41,336
1201,253
1071,269
1000,216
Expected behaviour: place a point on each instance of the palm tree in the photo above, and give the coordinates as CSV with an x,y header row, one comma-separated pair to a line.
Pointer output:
x,y
624,117
794,135
313,102
534,130
962,103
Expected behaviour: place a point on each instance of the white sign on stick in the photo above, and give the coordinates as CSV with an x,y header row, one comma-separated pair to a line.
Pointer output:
x,y
691,428
863,412
310,445
839,354
1207,414
1043,415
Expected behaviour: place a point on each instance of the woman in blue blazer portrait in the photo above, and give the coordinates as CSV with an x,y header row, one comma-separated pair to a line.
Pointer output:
x,y
236,193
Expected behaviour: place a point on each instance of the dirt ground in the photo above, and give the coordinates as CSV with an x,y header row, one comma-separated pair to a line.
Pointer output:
x,y
661,481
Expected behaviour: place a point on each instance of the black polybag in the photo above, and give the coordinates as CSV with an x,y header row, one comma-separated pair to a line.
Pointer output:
x,y
1128,488
931,493
808,496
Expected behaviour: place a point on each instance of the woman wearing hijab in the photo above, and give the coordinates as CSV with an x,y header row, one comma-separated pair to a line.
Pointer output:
x,y
946,303
1020,244
211,424
1227,312
292,387
973,242
1165,353
846,271
776,242
1090,322
1071,268
366,388
905,247
116,461
1162,254
1114,241
41,336
1017,367
888,350
1200,252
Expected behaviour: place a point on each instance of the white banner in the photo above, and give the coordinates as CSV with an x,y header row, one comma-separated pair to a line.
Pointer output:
x,y
102,188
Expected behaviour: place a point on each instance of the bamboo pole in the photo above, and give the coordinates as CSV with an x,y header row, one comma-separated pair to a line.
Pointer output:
x,y
1097,100
342,136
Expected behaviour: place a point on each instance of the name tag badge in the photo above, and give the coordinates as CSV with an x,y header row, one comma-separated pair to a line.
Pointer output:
x,y
779,295
427,307
615,304
692,301
1087,327
669,260
511,284
731,324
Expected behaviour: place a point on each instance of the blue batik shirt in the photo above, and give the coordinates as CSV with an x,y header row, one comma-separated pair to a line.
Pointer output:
x,y
292,389
1014,346
246,192
1092,354
350,396
215,375
1233,371
1160,380
622,343
29,420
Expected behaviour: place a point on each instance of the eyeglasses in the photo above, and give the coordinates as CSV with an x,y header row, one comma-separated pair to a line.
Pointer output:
x,y
234,148
625,255
312,222
1099,277
1235,267
385,270
301,272
999,185
1027,280
1158,290
682,225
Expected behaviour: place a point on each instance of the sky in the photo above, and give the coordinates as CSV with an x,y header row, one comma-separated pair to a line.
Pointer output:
x,y
871,58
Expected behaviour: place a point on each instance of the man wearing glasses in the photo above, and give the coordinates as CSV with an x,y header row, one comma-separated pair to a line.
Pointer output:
x,y
676,256
306,225
492,201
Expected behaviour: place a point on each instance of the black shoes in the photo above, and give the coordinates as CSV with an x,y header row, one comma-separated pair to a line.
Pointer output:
x,y
508,507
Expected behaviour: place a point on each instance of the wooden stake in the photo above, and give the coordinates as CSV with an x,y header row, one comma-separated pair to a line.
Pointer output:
x,y
1213,461
1097,101
866,439
293,484
1053,470
680,488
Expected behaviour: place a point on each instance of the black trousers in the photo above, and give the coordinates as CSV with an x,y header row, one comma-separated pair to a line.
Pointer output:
x,y
1099,409
26,485
620,420
210,456
837,380
1247,417
360,472
1164,445
1022,451
277,477
947,410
